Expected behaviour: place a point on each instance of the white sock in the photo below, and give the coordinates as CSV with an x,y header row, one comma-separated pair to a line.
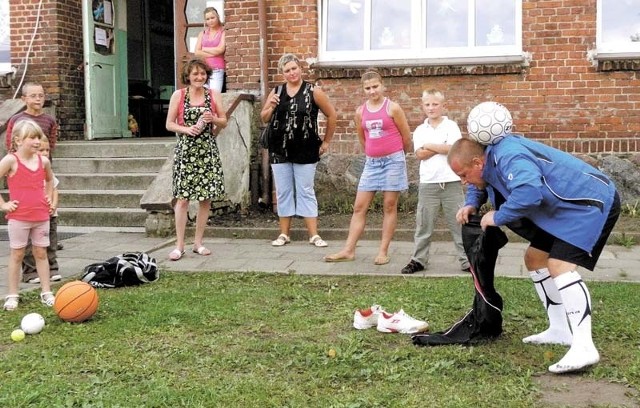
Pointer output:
x,y
559,331
577,302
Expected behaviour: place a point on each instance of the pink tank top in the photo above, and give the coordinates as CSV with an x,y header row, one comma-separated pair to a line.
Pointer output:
x,y
216,62
381,135
27,186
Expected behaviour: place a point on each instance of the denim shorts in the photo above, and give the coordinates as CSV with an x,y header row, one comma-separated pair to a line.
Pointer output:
x,y
387,173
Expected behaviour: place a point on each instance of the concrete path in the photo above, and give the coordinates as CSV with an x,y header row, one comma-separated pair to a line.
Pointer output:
x,y
617,263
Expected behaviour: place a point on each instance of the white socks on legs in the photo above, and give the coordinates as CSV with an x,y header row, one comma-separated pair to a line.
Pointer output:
x,y
559,331
577,303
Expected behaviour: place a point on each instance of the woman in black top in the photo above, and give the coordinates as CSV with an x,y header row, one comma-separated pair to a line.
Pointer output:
x,y
295,147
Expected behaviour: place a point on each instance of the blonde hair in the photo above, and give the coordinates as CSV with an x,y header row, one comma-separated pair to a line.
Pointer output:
x,y
28,85
285,59
25,129
371,73
432,92
212,10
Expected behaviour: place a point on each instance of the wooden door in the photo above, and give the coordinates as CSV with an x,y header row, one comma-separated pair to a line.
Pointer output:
x,y
104,60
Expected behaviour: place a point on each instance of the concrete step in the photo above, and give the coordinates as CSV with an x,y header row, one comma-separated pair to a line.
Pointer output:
x,y
100,198
113,181
102,217
156,147
107,165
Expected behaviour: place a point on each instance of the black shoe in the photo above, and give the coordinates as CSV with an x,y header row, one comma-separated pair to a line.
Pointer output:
x,y
60,246
412,267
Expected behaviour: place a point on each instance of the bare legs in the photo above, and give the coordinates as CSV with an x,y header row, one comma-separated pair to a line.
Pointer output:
x,y
358,222
181,209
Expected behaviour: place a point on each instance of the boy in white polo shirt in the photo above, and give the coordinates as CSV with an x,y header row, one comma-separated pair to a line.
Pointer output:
x,y
439,185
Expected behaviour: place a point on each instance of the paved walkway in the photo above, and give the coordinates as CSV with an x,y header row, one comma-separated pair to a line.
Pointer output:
x,y
240,255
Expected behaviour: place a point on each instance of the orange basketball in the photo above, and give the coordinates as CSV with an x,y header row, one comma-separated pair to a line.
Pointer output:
x,y
76,302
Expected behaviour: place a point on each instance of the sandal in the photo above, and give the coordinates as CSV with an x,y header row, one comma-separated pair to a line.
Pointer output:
x,y
11,302
202,250
317,241
47,298
282,239
176,254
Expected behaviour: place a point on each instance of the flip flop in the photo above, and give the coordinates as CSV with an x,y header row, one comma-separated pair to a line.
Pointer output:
x,y
335,258
202,250
176,254
381,260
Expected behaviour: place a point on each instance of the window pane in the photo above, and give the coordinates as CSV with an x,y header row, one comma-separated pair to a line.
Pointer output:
x,y
195,11
345,26
447,23
390,24
192,38
5,48
495,22
620,22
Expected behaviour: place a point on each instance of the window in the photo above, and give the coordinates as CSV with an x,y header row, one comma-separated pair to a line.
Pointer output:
x,y
5,44
195,18
618,29
365,30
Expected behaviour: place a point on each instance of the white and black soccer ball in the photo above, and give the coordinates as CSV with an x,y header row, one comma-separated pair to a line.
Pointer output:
x,y
489,122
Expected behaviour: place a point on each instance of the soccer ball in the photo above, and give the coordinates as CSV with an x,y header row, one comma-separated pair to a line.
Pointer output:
x,y
489,122
33,323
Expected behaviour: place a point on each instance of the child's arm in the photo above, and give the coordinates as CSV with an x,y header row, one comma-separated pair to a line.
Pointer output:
x,y
48,180
6,165
54,200
403,126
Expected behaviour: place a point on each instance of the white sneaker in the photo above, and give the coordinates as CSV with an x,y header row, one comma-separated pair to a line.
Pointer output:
x,y
400,323
367,318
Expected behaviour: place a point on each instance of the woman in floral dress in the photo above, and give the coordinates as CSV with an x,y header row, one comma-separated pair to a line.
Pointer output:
x,y
193,113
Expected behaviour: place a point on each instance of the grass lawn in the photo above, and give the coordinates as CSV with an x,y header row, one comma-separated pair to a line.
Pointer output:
x,y
259,340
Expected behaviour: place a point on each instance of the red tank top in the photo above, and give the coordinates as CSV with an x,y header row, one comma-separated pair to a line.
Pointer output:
x,y
381,135
27,187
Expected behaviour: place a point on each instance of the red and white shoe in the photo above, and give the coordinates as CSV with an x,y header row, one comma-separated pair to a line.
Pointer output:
x,y
400,322
367,318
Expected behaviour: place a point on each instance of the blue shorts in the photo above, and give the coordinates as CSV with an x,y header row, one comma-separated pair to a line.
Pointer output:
x,y
387,173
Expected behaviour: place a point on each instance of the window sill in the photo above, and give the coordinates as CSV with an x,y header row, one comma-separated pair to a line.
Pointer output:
x,y
424,67
616,61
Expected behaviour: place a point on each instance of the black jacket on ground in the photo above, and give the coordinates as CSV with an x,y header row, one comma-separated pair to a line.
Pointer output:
x,y
484,321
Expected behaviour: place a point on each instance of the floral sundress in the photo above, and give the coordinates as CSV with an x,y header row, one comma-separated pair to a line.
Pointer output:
x,y
197,169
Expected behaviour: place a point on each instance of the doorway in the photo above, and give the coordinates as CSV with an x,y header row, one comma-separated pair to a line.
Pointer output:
x,y
150,64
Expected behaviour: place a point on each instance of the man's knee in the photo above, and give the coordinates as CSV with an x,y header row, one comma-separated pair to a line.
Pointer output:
x,y
535,259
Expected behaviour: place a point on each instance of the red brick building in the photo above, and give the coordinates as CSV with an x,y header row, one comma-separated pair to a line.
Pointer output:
x,y
567,74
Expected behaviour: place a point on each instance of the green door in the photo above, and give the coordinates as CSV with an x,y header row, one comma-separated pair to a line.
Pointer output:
x,y
105,68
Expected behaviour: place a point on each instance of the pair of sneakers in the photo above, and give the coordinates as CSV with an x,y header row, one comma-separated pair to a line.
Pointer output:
x,y
384,322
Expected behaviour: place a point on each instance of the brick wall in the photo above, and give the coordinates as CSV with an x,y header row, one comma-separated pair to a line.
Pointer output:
x,y
561,98
54,57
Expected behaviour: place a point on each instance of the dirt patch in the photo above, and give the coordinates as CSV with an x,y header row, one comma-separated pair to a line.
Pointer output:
x,y
576,391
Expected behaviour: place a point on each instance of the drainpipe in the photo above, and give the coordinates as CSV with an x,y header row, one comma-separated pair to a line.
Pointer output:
x,y
264,58
265,169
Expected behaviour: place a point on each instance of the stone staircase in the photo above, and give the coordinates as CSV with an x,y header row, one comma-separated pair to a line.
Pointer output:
x,y
102,181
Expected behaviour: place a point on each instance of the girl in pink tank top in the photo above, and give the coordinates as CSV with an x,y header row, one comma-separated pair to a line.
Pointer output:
x,y
30,182
211,47
384,134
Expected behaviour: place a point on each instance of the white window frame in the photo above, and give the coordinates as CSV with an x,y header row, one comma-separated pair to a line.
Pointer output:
x,y
612,49
5,66
418,52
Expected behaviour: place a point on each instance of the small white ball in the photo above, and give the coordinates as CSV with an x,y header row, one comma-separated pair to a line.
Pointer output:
x,y
32,323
